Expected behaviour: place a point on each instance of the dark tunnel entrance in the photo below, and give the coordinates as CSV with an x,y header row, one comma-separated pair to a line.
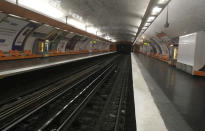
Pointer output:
x,y
124,48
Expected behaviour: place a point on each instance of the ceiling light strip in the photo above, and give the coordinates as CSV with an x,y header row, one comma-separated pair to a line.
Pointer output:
x,y
152,12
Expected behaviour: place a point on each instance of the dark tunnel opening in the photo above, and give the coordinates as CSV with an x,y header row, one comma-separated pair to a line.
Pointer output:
x,y
124,48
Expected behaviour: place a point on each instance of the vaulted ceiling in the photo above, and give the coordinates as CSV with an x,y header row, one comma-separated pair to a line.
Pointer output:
x,y
117,18
185,17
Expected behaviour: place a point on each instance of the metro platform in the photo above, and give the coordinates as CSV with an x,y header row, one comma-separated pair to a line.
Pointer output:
x,y
9,68
166,99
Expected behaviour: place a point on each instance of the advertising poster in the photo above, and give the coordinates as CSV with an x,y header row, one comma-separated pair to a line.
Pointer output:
x,y
9,28
22,35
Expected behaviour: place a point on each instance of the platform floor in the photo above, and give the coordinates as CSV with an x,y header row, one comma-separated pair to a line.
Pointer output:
x,y
166,99
8,68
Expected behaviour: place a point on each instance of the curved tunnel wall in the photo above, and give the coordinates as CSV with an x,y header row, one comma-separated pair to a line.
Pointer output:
x,y
153,48
157,47
184,21
163,46
19,34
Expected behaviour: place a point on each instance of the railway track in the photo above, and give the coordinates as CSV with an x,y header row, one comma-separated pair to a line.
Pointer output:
x,y
73,70
91,100
52,107
106,110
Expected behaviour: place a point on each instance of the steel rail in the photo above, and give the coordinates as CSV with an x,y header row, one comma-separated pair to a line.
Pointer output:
x,y
49,101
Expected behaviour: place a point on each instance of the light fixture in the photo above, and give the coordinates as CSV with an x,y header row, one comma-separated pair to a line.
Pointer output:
x,y
34,21
57,28
91,30
43,7
76,24
113,40
100,33
147,24
156,10
47,25
151,18
163,1
12,1
16,16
